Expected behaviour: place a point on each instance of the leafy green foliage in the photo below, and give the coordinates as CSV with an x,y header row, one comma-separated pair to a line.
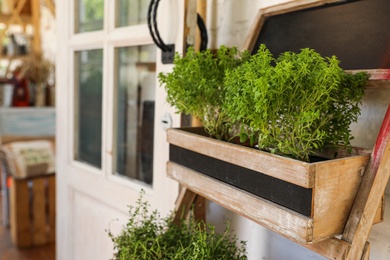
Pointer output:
x,y
295,104
147,236
195,86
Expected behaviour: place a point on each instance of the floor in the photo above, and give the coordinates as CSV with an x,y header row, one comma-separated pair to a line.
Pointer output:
x,y
9,252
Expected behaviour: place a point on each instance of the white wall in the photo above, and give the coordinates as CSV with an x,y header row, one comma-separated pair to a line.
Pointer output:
x,y
228,23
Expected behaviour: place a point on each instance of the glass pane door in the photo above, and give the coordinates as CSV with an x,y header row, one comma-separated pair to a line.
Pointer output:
x,y
88,110
131,12
89,15
134,112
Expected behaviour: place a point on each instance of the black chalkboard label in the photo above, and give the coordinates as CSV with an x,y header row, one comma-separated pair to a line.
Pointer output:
x,y
357,32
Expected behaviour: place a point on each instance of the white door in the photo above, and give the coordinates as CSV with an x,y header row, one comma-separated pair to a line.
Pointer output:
x,y
110,143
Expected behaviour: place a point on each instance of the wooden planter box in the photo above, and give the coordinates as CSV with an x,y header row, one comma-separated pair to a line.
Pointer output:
x,y
306,202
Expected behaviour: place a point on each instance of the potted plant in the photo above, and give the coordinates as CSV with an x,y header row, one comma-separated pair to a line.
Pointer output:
x,y
196,86
148,236
296,106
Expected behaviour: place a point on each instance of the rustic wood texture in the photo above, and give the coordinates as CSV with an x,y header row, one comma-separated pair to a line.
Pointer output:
x,y
16,138
39,235
370,193
183,204
189,33
332,248
330,209
36,20
278,191
299,173
336,185
366,251
283,221
52,208
32,223
200,209
19,213
254,31
9,251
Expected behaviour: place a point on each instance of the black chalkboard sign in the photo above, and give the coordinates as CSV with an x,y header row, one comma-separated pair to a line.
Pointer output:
x,y
357,32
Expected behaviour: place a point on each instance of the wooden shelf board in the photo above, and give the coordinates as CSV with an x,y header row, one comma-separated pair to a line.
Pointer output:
x,y
296,172
272,216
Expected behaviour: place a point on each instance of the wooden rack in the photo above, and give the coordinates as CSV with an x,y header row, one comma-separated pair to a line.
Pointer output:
x,y
353,242
352,245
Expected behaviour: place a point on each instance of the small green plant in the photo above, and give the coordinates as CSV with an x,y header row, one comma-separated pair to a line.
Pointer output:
x,y
293,105
147,236
195,86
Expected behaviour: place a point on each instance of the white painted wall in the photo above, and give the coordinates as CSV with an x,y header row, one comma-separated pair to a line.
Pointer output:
x,y
228,23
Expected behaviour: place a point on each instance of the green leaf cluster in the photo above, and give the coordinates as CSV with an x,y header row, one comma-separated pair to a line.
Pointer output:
x,y
292,105
295,104
148,236
196,86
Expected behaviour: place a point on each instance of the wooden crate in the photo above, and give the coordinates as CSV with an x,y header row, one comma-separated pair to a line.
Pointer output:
x,y
32,211
306,202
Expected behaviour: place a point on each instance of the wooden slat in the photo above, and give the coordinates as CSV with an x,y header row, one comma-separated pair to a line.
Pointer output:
x,y
331,208
16,138
332,248
281,220
370,193
379,216
38,211
200,208
183,204
4,18
15,10
366,251
189,33
375,74
254,31
36,20
294,171
52,208
296,5
20,213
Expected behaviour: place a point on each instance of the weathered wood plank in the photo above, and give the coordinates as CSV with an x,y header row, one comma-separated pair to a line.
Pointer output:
x,y
366,251
337,182
332,248
293,6
20,213
52,207
254,31
281,220
183,204
39,235
294,171
370,193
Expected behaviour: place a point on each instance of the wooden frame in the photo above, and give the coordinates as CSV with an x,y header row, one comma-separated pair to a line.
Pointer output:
x,y
312,206
378,76
353,243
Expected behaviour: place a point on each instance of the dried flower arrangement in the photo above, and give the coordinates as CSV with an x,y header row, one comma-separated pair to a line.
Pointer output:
x,y
36,68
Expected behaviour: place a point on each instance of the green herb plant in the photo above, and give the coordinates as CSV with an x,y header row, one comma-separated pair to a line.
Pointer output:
x,y
295,104
148,236
196,86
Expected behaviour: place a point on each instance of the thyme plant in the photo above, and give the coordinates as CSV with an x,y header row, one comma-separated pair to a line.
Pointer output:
x,y
196,86
148,236
293,105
